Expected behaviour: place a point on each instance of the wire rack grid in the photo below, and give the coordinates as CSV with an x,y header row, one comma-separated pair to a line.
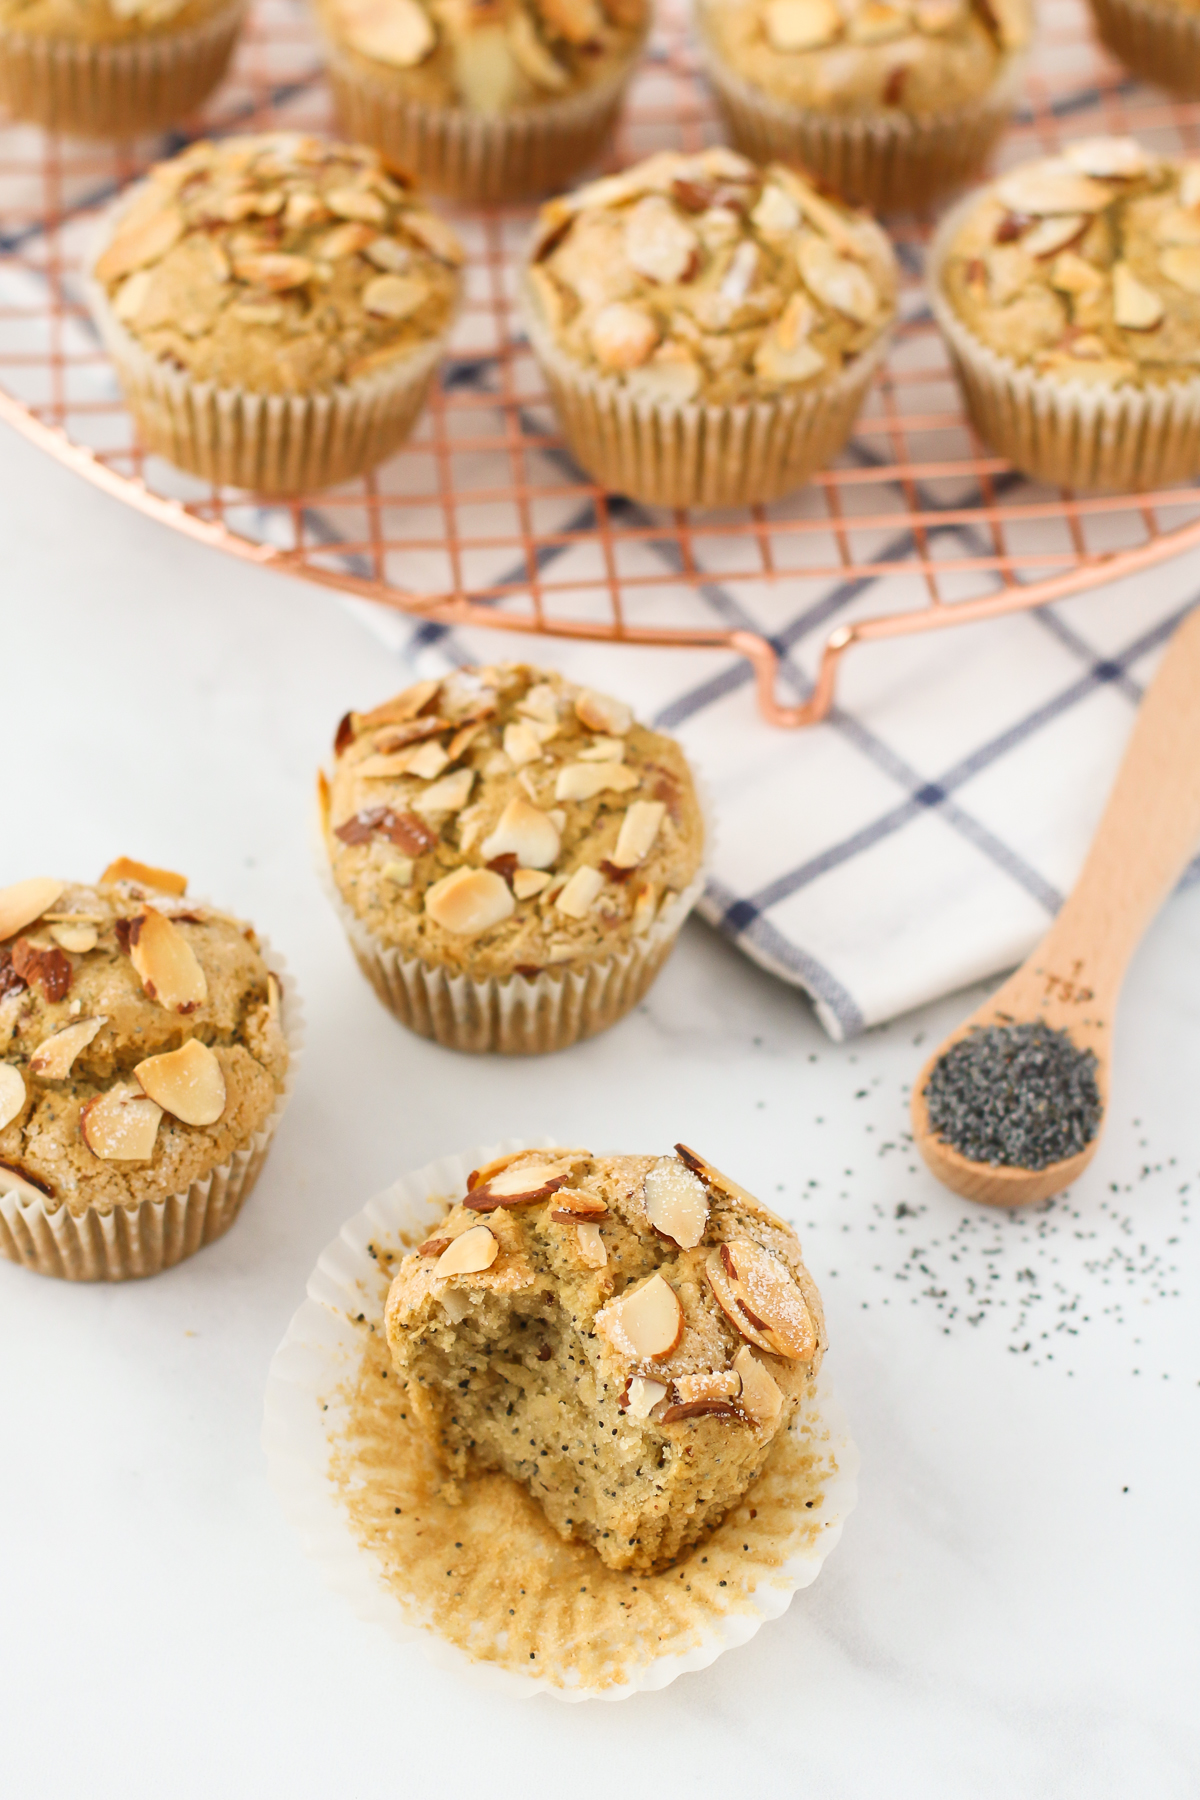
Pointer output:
x,y
483,518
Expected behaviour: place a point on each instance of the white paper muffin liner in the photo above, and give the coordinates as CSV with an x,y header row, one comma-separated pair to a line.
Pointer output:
x,y
307,1408
127,1242
669,454
1160,42
117,89
888,160
270,443
479,157
1068,433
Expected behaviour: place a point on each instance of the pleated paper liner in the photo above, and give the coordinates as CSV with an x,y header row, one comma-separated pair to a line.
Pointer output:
x,y
478,157
1161,43
124,1242
117,89
476,1579
1069,434
888,161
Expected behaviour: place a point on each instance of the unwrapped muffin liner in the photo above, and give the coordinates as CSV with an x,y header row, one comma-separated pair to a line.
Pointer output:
x,y
1071,434
120,88
663,453
672,1630
131,1241
888,160
479,157
1161,43
271,443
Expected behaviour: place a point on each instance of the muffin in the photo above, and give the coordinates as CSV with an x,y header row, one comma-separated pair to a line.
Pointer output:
x,y
113,68
511,855
497,101
708,329
143,1066
276,307
1069,294
1159,40
625,1336
888,105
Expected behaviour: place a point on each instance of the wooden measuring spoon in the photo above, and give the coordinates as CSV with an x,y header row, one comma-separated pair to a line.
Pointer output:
x,y
1149,832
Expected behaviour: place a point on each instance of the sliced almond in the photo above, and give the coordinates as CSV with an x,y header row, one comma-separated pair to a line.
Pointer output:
x,y
1072,274
646,1322
603,749
642,1395
600,712
578,21
580,893
591,1245
540,702
639,829
121,1126
1053,234
147,241
399,710
436,236
1052,186
274,271
1180,263
187,1083
447,796
622,336
671,377
525,1185
876,23
573,1204
523,831
395,296
658,243
583,781
145,875
708,1384
469,1254
558,1154
532,56
676,1202
427,761
12,1093
528,882
760,1298
760,1395
776,213
1109,158
774,362
801,24
398,32
54,1056
356,203
1135,306
77,938
27,1188
166,963
470,902
26,901
521,744
836,281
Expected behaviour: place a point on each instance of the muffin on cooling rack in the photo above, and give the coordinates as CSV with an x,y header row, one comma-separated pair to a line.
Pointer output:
x,y
627,1336
499,101
113,68
889,105
1156,39
1069,294
708,329
276,307
512,856
143,1070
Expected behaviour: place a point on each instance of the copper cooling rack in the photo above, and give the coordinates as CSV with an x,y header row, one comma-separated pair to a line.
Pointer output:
x,y
483,518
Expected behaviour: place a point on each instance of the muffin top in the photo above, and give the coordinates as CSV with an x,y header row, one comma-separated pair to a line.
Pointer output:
x,y
504,820
487,56
693,1297
849,56
280,263
1085,266
706,278
106,21
141,1040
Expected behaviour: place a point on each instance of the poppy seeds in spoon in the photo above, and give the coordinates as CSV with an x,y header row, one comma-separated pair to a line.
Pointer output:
x,y
1019,1096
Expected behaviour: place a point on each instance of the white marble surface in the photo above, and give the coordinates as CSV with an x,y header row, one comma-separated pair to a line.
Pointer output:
x,y
1012,1610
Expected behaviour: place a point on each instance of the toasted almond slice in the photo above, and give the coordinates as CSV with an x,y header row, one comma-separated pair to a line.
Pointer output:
x,y
275,271
12,1093
54,1056
1109,158
166,963
399,710
398,32
540,702
427,760
356,203
708,1384
1051,186
145,874
79,938
521,744
187,1083
146,241
468,1254
469,902
642,1395
591,1245
760,1395
121,1125
603,749
580,893
799,363
712,1177
645,906
639,829
835,280
658,243
528,882
676,1202
645,1323
776,213
436,236
532,56
1135,306
1072,274
387,768
1012,21
395,296
557,1153
27,1188
523,831
801,24
572,1204
622,336
26,901
447,796
1180,263
600,712
876,23
583,781
758,1295
523,1185
1053,234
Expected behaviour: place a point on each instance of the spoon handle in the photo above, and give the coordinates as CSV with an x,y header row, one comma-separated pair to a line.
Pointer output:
x,y
1149,830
